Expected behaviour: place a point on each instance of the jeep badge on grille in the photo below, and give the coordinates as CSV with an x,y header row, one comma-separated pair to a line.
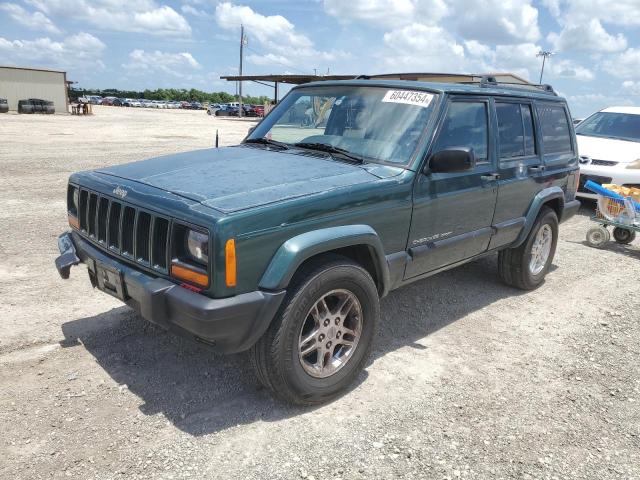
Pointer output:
x,y
120,192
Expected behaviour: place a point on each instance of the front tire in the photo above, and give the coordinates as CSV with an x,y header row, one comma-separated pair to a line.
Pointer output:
x,y
525,267
322,335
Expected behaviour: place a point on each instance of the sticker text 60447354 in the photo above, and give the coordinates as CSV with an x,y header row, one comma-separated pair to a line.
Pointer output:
x,y
409,97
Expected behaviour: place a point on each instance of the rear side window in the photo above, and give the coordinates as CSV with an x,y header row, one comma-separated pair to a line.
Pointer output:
x,y
555,129
465,126
515,130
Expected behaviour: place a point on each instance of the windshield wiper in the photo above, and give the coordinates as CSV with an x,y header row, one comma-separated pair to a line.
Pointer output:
x,y
268,141
325,147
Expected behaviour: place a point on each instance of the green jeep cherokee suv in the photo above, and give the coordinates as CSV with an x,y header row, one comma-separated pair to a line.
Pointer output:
x,y
283,245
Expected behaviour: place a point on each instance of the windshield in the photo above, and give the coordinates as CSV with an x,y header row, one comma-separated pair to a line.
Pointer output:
x,y
622,126
376,124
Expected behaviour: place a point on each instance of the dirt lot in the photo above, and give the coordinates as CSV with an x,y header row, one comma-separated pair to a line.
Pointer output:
x,y
469,378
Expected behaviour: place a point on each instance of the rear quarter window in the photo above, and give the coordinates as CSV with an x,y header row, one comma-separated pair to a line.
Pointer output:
x,y
554,124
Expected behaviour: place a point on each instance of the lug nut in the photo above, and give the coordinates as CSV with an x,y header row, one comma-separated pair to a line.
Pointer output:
x,y
328,344
338,335
321,336
326,322
338,321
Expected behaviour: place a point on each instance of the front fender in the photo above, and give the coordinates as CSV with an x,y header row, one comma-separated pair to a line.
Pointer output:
x,y
543,196
296,250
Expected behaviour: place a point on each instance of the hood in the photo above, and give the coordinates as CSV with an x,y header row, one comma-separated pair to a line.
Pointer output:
x,y
237,178
611,149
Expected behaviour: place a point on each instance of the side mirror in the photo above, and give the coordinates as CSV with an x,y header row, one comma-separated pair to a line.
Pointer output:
x,y
451,160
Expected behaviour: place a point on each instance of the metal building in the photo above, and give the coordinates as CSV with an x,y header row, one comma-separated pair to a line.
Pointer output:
x,y
21,83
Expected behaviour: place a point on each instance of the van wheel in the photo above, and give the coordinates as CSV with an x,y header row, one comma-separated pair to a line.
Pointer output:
x,y
322,335
526,266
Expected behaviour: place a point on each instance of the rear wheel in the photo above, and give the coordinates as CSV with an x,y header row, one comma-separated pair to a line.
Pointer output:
x,y
623,236
322,335
526,266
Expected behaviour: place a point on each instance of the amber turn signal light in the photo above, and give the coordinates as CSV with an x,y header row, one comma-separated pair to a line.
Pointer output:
x,y
73,221
190,275
230,262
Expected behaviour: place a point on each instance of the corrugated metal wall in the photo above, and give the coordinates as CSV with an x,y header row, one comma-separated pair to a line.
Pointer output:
x,y
18,84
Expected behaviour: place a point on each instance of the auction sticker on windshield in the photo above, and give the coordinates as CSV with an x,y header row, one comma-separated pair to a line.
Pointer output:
x,y
409,97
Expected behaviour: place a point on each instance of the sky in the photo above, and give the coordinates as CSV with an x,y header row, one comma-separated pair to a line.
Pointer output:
x,y
138,44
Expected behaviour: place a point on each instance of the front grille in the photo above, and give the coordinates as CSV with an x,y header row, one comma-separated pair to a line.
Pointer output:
x,y
603,163
125,230
594,178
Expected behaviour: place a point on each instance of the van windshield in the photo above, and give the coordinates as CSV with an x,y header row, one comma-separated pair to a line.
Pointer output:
x,y
373,123
621,126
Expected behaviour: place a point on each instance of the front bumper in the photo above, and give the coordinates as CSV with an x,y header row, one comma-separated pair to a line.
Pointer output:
x,y
618,175
229,324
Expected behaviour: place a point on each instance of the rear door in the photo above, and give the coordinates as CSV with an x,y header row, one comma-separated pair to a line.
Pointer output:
x,y
520,166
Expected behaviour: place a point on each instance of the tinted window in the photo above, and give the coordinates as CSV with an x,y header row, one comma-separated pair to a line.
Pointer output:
x,y
515,130
465,126
510,130
527,120
555,129
611,125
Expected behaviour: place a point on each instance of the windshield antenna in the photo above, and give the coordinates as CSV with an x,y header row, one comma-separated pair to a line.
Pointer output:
x,y
217,138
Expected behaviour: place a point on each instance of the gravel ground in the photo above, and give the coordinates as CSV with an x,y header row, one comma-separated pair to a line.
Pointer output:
x,y
468,379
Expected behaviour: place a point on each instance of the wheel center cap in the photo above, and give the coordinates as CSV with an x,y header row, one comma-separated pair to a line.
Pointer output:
x,y
331,333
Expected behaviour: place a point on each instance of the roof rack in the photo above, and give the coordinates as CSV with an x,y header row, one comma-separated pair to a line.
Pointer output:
x,y
487,81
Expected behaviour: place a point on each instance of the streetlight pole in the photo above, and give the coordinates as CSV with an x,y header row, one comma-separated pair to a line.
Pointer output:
x,y
544,54
243,41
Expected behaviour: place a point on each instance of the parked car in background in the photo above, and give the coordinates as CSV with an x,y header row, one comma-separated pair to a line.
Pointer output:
x,y
146,103
95,100
108,101
4,105
211,109
131,102
609,146
195,106
118,102
185,105
227,111
259,109
173,105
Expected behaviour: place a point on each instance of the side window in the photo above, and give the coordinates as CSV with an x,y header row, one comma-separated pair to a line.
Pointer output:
x,y
555,128
465,125
515,130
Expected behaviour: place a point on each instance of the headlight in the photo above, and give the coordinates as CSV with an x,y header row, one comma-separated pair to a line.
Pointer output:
x,y
76,198
198,246
635,164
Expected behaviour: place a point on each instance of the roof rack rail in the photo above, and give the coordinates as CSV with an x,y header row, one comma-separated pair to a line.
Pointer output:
x,y
363,77
488,80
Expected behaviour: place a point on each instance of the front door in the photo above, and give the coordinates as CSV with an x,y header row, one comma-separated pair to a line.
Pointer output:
x,y
452,212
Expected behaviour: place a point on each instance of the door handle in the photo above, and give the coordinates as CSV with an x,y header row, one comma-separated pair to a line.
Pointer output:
x,y
536,169
490,177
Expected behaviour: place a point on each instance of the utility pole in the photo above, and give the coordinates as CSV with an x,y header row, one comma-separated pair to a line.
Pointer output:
x,y
243,41
544,54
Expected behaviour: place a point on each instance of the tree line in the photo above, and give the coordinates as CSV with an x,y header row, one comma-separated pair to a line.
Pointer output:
x,y
182,94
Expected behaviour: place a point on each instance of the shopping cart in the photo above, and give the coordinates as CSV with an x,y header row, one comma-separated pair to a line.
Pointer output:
x,y
623,214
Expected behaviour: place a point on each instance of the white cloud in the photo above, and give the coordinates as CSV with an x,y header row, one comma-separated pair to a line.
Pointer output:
x,y
496,21
180,65
633,87
422,47
274,34
569,69
32,20
140,16
587,37
553,6
387,12
72,52
618,12
625,64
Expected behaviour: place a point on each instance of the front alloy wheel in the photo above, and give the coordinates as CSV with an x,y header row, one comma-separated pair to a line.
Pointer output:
x,y
330,333
321,337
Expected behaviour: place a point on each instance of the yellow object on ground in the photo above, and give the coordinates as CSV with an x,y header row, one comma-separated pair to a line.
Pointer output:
x,y
625,191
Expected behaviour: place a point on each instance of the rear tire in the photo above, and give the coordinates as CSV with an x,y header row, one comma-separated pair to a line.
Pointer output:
x,y
525,267
623,236
279,357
